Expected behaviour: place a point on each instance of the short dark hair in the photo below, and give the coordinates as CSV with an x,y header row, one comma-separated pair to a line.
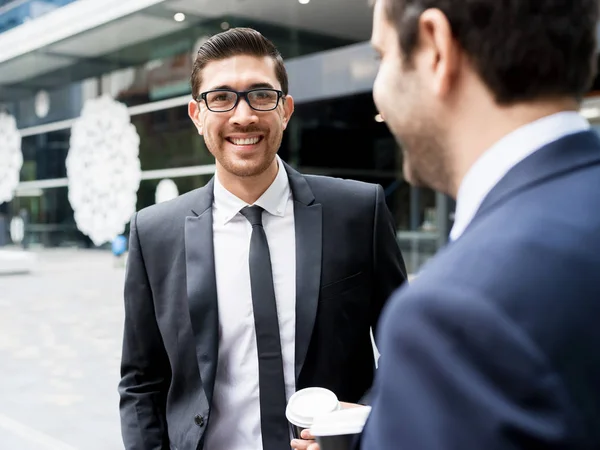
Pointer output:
x,y
523,50
236,42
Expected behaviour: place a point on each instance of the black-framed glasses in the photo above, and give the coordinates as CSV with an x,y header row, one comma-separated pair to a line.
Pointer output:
x,y
223,100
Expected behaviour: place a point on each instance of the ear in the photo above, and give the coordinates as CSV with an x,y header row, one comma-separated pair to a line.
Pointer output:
x,y
288,110
438,50
194,112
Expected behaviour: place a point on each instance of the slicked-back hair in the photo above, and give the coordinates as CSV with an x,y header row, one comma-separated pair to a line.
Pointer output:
x,y
237,42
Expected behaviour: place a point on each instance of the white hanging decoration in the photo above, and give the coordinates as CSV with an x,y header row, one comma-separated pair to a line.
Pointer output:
x,y
42,104
17,230
11,158
103,169
165,190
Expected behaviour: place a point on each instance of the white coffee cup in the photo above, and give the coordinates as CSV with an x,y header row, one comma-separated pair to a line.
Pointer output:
x,y
306,404
338,429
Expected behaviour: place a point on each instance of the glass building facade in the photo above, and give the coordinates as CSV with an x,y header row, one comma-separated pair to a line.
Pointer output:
x,y
16,12
143,58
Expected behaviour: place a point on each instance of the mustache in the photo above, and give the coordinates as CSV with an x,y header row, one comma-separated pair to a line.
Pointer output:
x,y
245,130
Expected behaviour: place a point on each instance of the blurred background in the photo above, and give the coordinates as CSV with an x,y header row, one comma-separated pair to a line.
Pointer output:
x,y
60,323
57,54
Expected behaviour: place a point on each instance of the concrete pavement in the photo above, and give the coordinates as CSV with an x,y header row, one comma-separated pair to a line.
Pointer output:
x,y
60,344
60,348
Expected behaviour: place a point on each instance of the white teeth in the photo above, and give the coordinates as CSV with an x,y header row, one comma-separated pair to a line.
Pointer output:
x,y
250,141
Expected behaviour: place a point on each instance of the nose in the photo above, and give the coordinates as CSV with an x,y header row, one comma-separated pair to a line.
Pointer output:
x,y
243,115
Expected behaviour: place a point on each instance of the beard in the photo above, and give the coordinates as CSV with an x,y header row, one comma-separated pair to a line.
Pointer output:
x,y
424,157
240,165
411,115
419,133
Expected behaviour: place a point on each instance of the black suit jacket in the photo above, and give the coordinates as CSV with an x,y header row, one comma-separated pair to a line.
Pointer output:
x,y
348,263
496,344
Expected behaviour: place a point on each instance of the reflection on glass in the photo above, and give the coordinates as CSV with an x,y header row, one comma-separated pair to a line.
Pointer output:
x,y
50,218
44,155
50,221
16,13
168,139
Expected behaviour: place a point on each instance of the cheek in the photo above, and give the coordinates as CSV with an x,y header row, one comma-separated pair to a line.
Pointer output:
x,y
379,89
390,88
211,127
201,123
275,123
279,120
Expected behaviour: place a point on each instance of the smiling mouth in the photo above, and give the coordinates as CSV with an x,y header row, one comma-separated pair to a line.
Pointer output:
x,y
245,141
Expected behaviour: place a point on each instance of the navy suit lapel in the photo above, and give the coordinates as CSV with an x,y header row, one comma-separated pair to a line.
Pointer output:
x,y
309,230
561,156
202,287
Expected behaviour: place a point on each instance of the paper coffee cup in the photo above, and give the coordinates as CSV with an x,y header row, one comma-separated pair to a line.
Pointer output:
x,y
306,404
337,430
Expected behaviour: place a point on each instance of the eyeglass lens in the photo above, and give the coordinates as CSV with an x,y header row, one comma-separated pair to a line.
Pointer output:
x,y
260,99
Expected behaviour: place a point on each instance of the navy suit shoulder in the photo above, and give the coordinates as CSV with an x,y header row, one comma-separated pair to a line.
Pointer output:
x,y
495,344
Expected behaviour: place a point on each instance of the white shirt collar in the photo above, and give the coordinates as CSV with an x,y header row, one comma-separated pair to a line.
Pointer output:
x,y
273,200
497,161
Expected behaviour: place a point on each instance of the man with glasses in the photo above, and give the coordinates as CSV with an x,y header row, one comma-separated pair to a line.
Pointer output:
x,y
258,284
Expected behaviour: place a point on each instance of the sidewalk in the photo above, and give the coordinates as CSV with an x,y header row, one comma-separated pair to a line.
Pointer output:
x,y
60,348
60,344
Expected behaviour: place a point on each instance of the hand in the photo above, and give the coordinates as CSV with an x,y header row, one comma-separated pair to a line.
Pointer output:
x,y
306,443
345,405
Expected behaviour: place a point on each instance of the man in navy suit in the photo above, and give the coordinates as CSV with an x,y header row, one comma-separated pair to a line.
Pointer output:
x,y
496,344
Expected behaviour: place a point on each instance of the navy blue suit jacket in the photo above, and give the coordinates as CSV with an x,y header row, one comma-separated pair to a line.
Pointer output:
x,y
496,345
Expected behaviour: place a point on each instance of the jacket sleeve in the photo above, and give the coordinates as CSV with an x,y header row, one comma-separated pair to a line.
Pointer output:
x,y
145,373
388,264
459,374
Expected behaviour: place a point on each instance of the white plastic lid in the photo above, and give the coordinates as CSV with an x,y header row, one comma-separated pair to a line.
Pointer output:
x,y
308,403
338,423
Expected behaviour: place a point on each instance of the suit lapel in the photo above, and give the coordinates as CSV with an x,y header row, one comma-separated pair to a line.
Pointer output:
x,y
564,155
309,229
202,287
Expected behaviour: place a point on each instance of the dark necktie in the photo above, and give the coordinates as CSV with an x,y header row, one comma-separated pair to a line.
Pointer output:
x,y
274,426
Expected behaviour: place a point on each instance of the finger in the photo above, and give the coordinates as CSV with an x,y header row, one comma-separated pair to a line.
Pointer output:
x,y
300,444
306,435
314,447
345,405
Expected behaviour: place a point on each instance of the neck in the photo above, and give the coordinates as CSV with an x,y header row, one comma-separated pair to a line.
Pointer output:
x,y
493,123
248,189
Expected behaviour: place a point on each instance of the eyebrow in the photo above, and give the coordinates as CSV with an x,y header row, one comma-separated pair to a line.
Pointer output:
x,y
252,86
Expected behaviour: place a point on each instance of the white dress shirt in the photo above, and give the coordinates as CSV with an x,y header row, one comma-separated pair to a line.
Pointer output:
x,y
235,410
497,161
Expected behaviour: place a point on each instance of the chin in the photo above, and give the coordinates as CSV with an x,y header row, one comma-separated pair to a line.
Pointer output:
x,y
408,176
412,177
245,167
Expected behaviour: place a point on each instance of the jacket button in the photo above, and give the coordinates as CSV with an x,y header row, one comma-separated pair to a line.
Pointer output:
x,y
199,420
